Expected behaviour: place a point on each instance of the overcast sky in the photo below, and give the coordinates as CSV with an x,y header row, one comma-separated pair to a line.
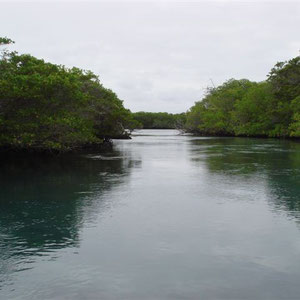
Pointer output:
x,y
157,56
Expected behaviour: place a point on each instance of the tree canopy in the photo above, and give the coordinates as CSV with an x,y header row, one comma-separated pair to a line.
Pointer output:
x,y
244,108
5,41
48,106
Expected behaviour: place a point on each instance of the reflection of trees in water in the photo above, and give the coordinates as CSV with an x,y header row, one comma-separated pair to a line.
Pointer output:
x,y
276,161
44,200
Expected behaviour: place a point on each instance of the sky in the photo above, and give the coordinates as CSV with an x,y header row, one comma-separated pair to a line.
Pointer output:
x,y
159,55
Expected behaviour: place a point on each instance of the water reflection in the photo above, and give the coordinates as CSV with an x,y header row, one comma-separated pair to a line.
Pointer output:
x,y
275,162
44,201
166,217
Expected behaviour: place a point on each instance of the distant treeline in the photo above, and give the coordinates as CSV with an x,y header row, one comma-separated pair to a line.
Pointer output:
x,y
44,106
244,108
160,120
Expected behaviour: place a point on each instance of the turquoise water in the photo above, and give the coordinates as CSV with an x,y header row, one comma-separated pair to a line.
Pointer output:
x,y
163,216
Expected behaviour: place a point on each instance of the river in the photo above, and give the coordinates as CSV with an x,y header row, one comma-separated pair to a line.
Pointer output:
x,y
163,216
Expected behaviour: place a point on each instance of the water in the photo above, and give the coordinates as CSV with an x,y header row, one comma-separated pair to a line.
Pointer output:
x,y
164,216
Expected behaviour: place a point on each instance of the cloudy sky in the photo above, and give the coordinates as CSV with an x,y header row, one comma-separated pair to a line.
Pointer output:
x,y
159,55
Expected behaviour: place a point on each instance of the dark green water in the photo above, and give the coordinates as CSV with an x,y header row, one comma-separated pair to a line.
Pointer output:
x,y
162,217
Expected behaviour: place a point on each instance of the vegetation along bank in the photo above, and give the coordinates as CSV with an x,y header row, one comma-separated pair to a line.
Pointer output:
x,y
48,107
160,120
245,108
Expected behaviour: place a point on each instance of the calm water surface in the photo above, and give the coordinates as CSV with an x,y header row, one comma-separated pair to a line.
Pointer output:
x,y
164,216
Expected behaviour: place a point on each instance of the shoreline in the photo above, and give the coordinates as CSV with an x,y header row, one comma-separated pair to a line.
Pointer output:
x,y
108,145
102,147
247,136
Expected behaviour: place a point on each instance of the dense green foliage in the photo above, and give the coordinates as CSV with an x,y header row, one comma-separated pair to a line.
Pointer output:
x,y
46,106
244,108
51,107
160,120
5,41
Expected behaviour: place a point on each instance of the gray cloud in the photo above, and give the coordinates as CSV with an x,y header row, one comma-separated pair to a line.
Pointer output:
x,y
158,56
